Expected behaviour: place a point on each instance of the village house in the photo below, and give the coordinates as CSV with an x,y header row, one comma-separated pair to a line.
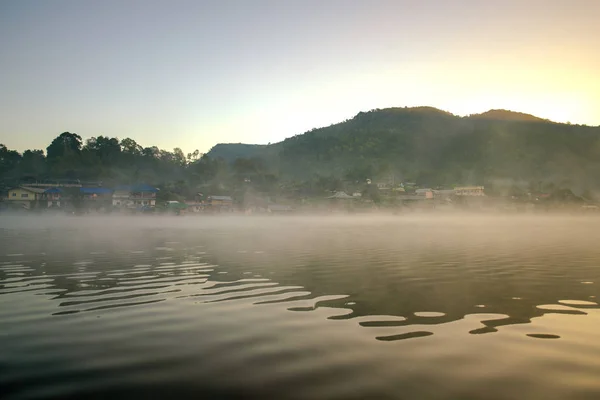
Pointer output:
x,y
176,207
383,186
443,193
25,196
194,206
96,193
96,198
53,197
469,191
134,196
426,192
220,203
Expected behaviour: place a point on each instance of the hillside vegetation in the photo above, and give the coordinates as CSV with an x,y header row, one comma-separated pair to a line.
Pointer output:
x,y
422,145
433,147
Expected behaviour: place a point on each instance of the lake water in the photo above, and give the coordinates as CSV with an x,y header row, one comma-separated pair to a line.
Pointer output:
x,y
406,307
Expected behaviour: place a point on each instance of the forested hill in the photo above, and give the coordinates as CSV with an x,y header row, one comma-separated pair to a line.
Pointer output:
x,y
422,145
505,115
232,151
434,147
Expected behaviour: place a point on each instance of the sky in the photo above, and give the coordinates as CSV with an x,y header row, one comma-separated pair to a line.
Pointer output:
x,y
195,73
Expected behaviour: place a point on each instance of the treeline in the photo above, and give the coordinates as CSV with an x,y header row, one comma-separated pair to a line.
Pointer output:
x,y
109,162
503,151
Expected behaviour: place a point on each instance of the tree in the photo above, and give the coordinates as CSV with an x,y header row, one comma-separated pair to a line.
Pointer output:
x,y
67,144
130,146
107,149
9,159
151,152
193,157
179,157
33,163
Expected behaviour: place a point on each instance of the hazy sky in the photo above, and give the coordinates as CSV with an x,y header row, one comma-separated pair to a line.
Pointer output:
x,y
191,74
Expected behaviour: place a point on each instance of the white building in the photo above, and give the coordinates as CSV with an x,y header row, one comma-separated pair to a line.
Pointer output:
x,y
134,196
469,191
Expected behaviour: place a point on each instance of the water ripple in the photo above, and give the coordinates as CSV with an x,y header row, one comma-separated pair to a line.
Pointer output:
x,y
351,310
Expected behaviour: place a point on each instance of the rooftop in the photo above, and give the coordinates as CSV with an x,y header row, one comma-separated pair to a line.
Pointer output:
x,y
95,190
341,195
226,198
136,188
32,189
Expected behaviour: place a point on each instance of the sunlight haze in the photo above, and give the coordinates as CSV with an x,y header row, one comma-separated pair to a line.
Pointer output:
x,y
300,199
192,74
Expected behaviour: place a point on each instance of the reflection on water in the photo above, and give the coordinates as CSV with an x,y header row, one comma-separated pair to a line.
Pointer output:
x,y
391,307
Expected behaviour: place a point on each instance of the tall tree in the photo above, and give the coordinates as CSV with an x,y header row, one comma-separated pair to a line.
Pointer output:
x,y
130,146
9,160
33,163
107,149
64,156
65,144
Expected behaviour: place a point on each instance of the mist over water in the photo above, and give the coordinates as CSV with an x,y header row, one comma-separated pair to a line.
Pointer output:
x,y
408,306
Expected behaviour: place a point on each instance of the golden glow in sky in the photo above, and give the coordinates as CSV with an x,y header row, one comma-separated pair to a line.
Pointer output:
x,y
259,72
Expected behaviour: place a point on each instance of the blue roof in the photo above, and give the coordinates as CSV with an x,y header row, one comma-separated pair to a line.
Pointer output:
x,y
53,190
95,190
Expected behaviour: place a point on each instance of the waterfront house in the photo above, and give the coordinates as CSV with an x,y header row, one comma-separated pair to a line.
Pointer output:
x,y
121,196
221,203
427,193
134,196
25,196
96,193
53,197
443,193
469,191
175,207
194,206
90,196
96,198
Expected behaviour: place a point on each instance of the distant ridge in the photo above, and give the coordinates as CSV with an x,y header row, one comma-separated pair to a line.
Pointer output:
x,y
507,115
231,151
425,110
434,148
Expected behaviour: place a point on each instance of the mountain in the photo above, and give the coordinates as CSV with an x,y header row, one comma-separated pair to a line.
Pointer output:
x,y
506,115
434,147
231,151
